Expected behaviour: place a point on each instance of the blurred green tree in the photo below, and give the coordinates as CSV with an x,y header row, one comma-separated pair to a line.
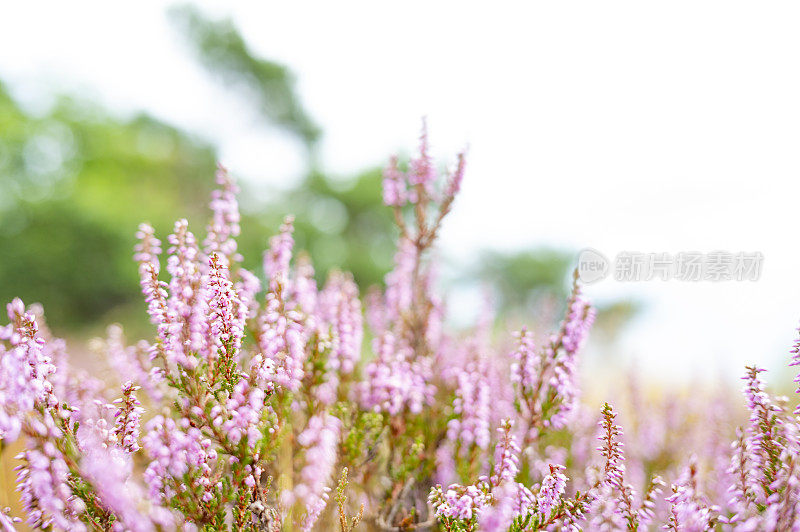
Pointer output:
x,y
268,85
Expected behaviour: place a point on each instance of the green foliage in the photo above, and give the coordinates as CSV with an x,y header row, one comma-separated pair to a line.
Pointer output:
x,y
223,51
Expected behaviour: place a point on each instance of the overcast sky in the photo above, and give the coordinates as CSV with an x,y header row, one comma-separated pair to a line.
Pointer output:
x,y
621,126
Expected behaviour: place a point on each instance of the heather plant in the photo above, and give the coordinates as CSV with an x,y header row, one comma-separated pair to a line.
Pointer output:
x,y
267,402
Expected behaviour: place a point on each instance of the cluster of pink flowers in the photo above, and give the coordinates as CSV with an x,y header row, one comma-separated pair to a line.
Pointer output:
x,y
258,390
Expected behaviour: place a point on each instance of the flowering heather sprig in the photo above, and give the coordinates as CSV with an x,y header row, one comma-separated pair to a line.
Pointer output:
x,y
459,502
795,361
499,515
551,491
506,455
243,414
155,291
127,417
393,382
183,461
282,334
472,405
421,171
646,512
340,307
688,508
109,471
545,380
224,226
742,496
319,441
225,319
614,468
279,255
45,494
186,301
394,185
763,435
24,372
148,248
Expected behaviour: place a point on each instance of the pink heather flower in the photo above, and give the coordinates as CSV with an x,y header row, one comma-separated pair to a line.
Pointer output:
x,y
248,287
394,185
304,288
392,382
176,451
224,226
765,436
421,171
154,290
226,313
277,258
739,470
551,491
506,455
186,301
473,408
459,502
282,340
42,481
399,282
456,177
580,318
148,248
319,441
611,449
795,352
688,510
501,514
109,470
572,336
25,371
242,416
526,364
127,418
340,307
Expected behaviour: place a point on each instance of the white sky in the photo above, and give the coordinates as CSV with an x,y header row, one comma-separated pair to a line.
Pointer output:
x,y
617,125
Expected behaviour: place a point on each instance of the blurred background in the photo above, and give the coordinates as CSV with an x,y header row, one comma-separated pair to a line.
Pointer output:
x,y
619,127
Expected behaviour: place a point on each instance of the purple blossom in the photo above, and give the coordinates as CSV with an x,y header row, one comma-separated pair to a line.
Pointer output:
x,y
551,491
177,450
109,470
226,315
224,226
127,418
506,455
277,258
319,441
473,408
340,307
186,302
394,185
393,382
25,371
42,481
